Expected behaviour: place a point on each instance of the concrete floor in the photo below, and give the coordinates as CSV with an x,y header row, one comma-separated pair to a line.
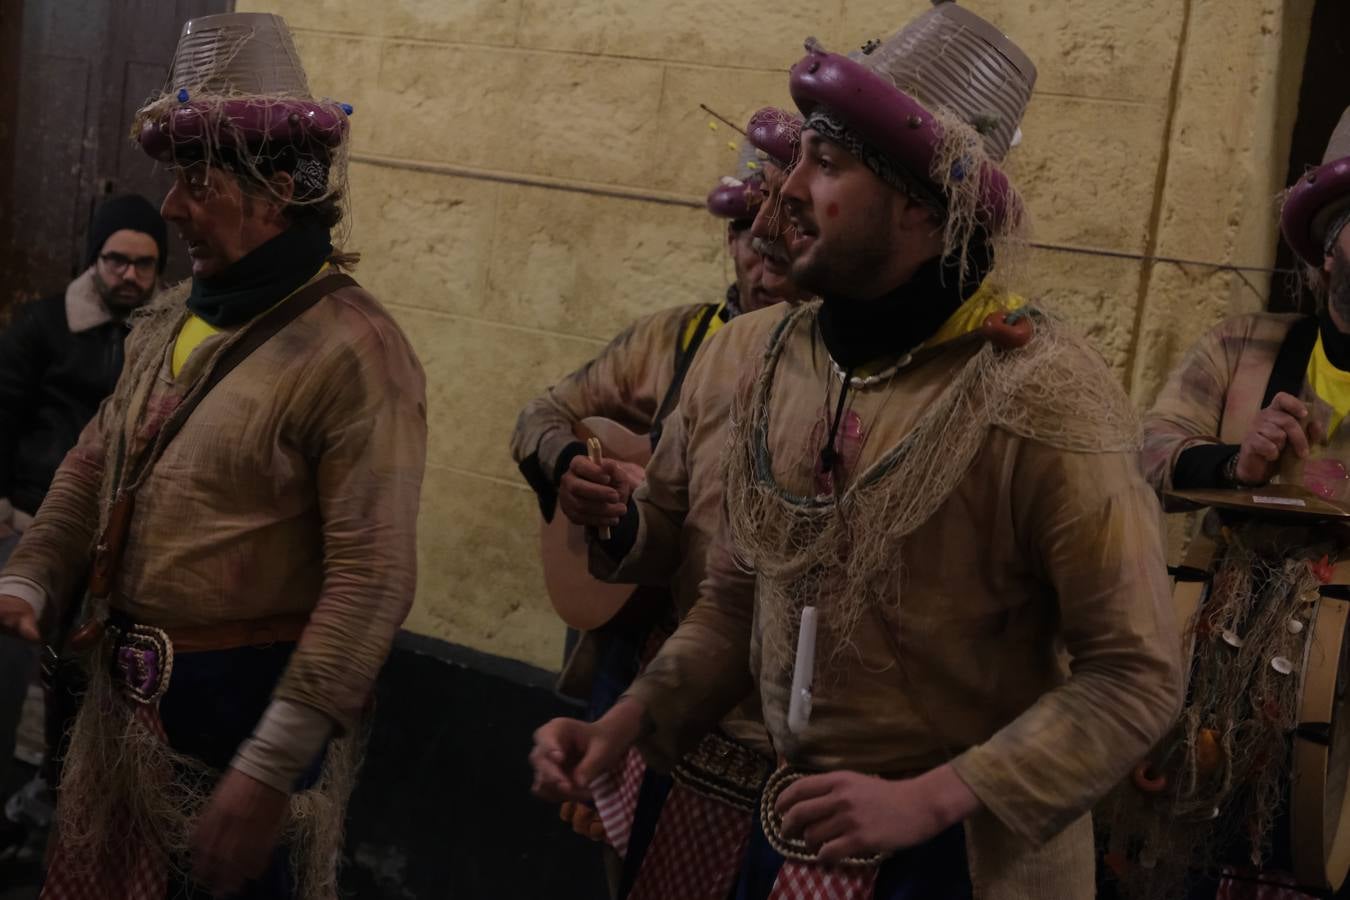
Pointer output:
x,y
18,881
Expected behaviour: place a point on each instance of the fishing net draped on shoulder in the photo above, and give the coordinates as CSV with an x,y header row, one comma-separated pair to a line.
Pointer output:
x,y
842,553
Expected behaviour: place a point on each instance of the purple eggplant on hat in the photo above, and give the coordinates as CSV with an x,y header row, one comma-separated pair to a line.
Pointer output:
x,y
777,133
735,196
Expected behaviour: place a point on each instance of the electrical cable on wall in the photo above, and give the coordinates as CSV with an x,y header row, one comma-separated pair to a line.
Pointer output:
x,y
678,200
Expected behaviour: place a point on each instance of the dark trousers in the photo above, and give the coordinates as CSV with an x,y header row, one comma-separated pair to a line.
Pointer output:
x,y
18,665
213,703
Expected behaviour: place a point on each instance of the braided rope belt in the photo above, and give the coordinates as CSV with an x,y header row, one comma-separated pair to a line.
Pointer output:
x,y
795,848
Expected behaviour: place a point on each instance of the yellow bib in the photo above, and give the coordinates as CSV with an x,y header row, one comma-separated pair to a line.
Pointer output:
x,y
692,326
190,337
196,330
1330,384
971,314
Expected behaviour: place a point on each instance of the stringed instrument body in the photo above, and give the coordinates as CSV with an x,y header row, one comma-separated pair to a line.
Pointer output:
x,y
581,600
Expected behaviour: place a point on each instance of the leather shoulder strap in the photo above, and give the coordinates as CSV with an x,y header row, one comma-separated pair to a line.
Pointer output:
x,y
271,322
1291,363
684,357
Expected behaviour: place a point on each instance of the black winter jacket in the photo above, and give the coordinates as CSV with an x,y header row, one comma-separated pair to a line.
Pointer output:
x,y
51,384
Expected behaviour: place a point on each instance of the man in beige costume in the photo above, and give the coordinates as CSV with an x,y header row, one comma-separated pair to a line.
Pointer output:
x,y
688,834
1259,396
249,494
630,380
929,499
636,381
1221,421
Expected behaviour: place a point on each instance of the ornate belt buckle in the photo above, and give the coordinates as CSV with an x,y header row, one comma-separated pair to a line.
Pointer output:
x,y
794,847
143,663
722,768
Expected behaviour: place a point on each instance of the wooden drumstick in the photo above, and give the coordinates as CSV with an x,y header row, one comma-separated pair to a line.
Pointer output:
x,y
593,451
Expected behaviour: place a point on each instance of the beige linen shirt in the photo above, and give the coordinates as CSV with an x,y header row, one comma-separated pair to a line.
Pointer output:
x,y
1035,646
292,489
626,382
680,511
1215,393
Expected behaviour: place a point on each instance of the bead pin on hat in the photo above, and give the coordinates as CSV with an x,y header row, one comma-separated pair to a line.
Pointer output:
x,y
237,96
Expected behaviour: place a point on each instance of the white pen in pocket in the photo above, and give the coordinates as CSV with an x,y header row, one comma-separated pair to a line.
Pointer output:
x,y
799,706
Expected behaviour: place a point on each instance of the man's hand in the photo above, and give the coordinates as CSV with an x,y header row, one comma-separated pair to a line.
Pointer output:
x,y
17,618
1277,427
569,754
847,814
597,495
584,820
237,832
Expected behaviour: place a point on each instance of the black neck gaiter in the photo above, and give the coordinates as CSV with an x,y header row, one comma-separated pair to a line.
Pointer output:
x,y
857,332
264,276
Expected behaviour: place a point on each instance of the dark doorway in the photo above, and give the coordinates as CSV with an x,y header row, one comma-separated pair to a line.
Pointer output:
x,y
80,69
1324,93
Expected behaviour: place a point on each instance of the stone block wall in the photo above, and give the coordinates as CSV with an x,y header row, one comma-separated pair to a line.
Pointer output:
x,y
528,174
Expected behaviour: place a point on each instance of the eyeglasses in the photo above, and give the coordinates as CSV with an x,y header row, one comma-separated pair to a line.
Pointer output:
x,y
117,263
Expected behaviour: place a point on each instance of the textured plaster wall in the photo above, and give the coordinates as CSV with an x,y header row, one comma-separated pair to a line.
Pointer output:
x,y
518,159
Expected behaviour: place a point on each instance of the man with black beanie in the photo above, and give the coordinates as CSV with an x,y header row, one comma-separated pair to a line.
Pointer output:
x,y
59,358
62,354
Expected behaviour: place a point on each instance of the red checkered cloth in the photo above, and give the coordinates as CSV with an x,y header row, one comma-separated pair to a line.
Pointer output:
x,y
1265,886
696,850
616,794
810,881
142,873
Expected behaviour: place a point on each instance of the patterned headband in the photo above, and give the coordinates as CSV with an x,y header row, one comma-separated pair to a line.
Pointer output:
x,y
1334,232
830,128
